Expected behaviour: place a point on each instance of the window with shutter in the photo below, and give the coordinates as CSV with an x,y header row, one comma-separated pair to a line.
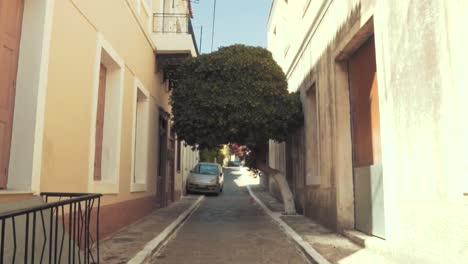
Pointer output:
x,y
100,122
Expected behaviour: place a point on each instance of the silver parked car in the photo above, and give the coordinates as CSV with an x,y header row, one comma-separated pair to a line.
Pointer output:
x,y
206,177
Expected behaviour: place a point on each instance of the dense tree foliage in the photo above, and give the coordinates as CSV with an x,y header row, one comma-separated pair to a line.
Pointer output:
x,y
235,95
212,155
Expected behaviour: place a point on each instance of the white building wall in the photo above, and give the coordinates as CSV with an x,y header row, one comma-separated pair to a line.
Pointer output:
x,y
422,70
422,75
190,158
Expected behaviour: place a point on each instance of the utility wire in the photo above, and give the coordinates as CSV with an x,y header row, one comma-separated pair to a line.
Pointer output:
x,y
213,29
201,38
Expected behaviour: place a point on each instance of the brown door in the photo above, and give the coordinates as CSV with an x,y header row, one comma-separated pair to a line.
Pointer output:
x,y
367,161
365,106
11,16
100,123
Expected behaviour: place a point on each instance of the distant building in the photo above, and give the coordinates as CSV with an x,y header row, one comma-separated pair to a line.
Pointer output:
x,y
384,148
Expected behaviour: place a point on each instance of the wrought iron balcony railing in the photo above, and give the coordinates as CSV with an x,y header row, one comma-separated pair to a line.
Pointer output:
x,y
172,23
60,230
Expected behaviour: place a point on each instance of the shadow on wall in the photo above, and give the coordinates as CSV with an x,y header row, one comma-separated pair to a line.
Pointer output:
x,y
335,157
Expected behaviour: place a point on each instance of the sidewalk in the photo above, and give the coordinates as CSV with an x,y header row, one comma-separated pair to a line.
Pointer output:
x,y
138,237
321,244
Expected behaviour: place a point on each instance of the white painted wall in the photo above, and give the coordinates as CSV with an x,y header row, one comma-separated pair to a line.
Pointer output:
x,y
26,148
322,21
189,159
422,75
174,43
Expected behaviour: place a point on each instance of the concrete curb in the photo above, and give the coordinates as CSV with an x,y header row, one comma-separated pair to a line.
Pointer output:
x,y
154,245
308,250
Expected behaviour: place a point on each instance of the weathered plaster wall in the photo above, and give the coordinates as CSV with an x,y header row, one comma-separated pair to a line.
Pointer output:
x,y
422,73
317,38
295,166
276,160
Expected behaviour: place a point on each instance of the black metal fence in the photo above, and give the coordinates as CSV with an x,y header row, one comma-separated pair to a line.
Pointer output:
x,y
60,230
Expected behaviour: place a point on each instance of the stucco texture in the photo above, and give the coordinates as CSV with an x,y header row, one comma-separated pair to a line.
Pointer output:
x,y
421,73
68,114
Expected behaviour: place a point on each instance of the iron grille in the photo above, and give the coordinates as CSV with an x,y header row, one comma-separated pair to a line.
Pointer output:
x,y
64,229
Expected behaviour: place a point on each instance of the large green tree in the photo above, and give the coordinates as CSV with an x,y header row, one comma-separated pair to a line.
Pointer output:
x,y
239,95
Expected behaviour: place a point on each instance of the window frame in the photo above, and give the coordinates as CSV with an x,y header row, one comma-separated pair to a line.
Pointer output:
x,y
312,101
139,182
106,54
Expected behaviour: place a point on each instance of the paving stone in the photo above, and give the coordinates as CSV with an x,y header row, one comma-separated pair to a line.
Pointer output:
x,y
229,229
123,245
332,246
271,202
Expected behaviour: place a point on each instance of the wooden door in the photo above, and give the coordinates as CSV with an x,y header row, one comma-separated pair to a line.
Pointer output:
x,y
100,123
367,161
11,16
365,106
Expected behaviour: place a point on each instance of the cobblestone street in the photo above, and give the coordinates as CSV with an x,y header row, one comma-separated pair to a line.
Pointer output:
x,y
229,228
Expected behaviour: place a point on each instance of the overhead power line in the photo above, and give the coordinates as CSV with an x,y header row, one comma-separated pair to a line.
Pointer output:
x,y
214,21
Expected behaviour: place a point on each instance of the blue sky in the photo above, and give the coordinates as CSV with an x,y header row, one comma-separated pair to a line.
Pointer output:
x,y
237,21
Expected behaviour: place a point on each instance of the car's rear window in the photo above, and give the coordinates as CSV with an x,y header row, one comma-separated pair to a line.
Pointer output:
x,y
208,169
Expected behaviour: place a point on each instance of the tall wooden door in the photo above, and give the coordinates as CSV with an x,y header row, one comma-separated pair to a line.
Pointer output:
x,y
367,161
11,16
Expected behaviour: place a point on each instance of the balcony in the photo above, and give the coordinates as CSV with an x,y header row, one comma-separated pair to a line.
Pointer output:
x,y
173,34
174,39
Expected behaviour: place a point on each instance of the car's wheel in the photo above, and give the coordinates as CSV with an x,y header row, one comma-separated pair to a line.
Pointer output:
x,y
218,190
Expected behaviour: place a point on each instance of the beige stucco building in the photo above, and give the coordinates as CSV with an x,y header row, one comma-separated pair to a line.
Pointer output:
x,y
84,102
383,85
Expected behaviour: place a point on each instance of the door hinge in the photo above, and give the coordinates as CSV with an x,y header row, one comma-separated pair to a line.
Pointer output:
x,y
6,171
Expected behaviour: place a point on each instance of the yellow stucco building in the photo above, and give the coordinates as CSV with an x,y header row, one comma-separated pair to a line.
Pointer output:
x,y
84,96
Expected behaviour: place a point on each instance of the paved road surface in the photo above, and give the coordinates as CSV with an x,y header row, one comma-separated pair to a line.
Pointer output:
x,y
229,228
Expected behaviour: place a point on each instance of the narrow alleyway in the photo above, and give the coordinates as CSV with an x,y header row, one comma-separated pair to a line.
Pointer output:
x,y
229,228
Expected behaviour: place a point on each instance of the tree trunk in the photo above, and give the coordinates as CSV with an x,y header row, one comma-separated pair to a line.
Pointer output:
x,y
280,179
